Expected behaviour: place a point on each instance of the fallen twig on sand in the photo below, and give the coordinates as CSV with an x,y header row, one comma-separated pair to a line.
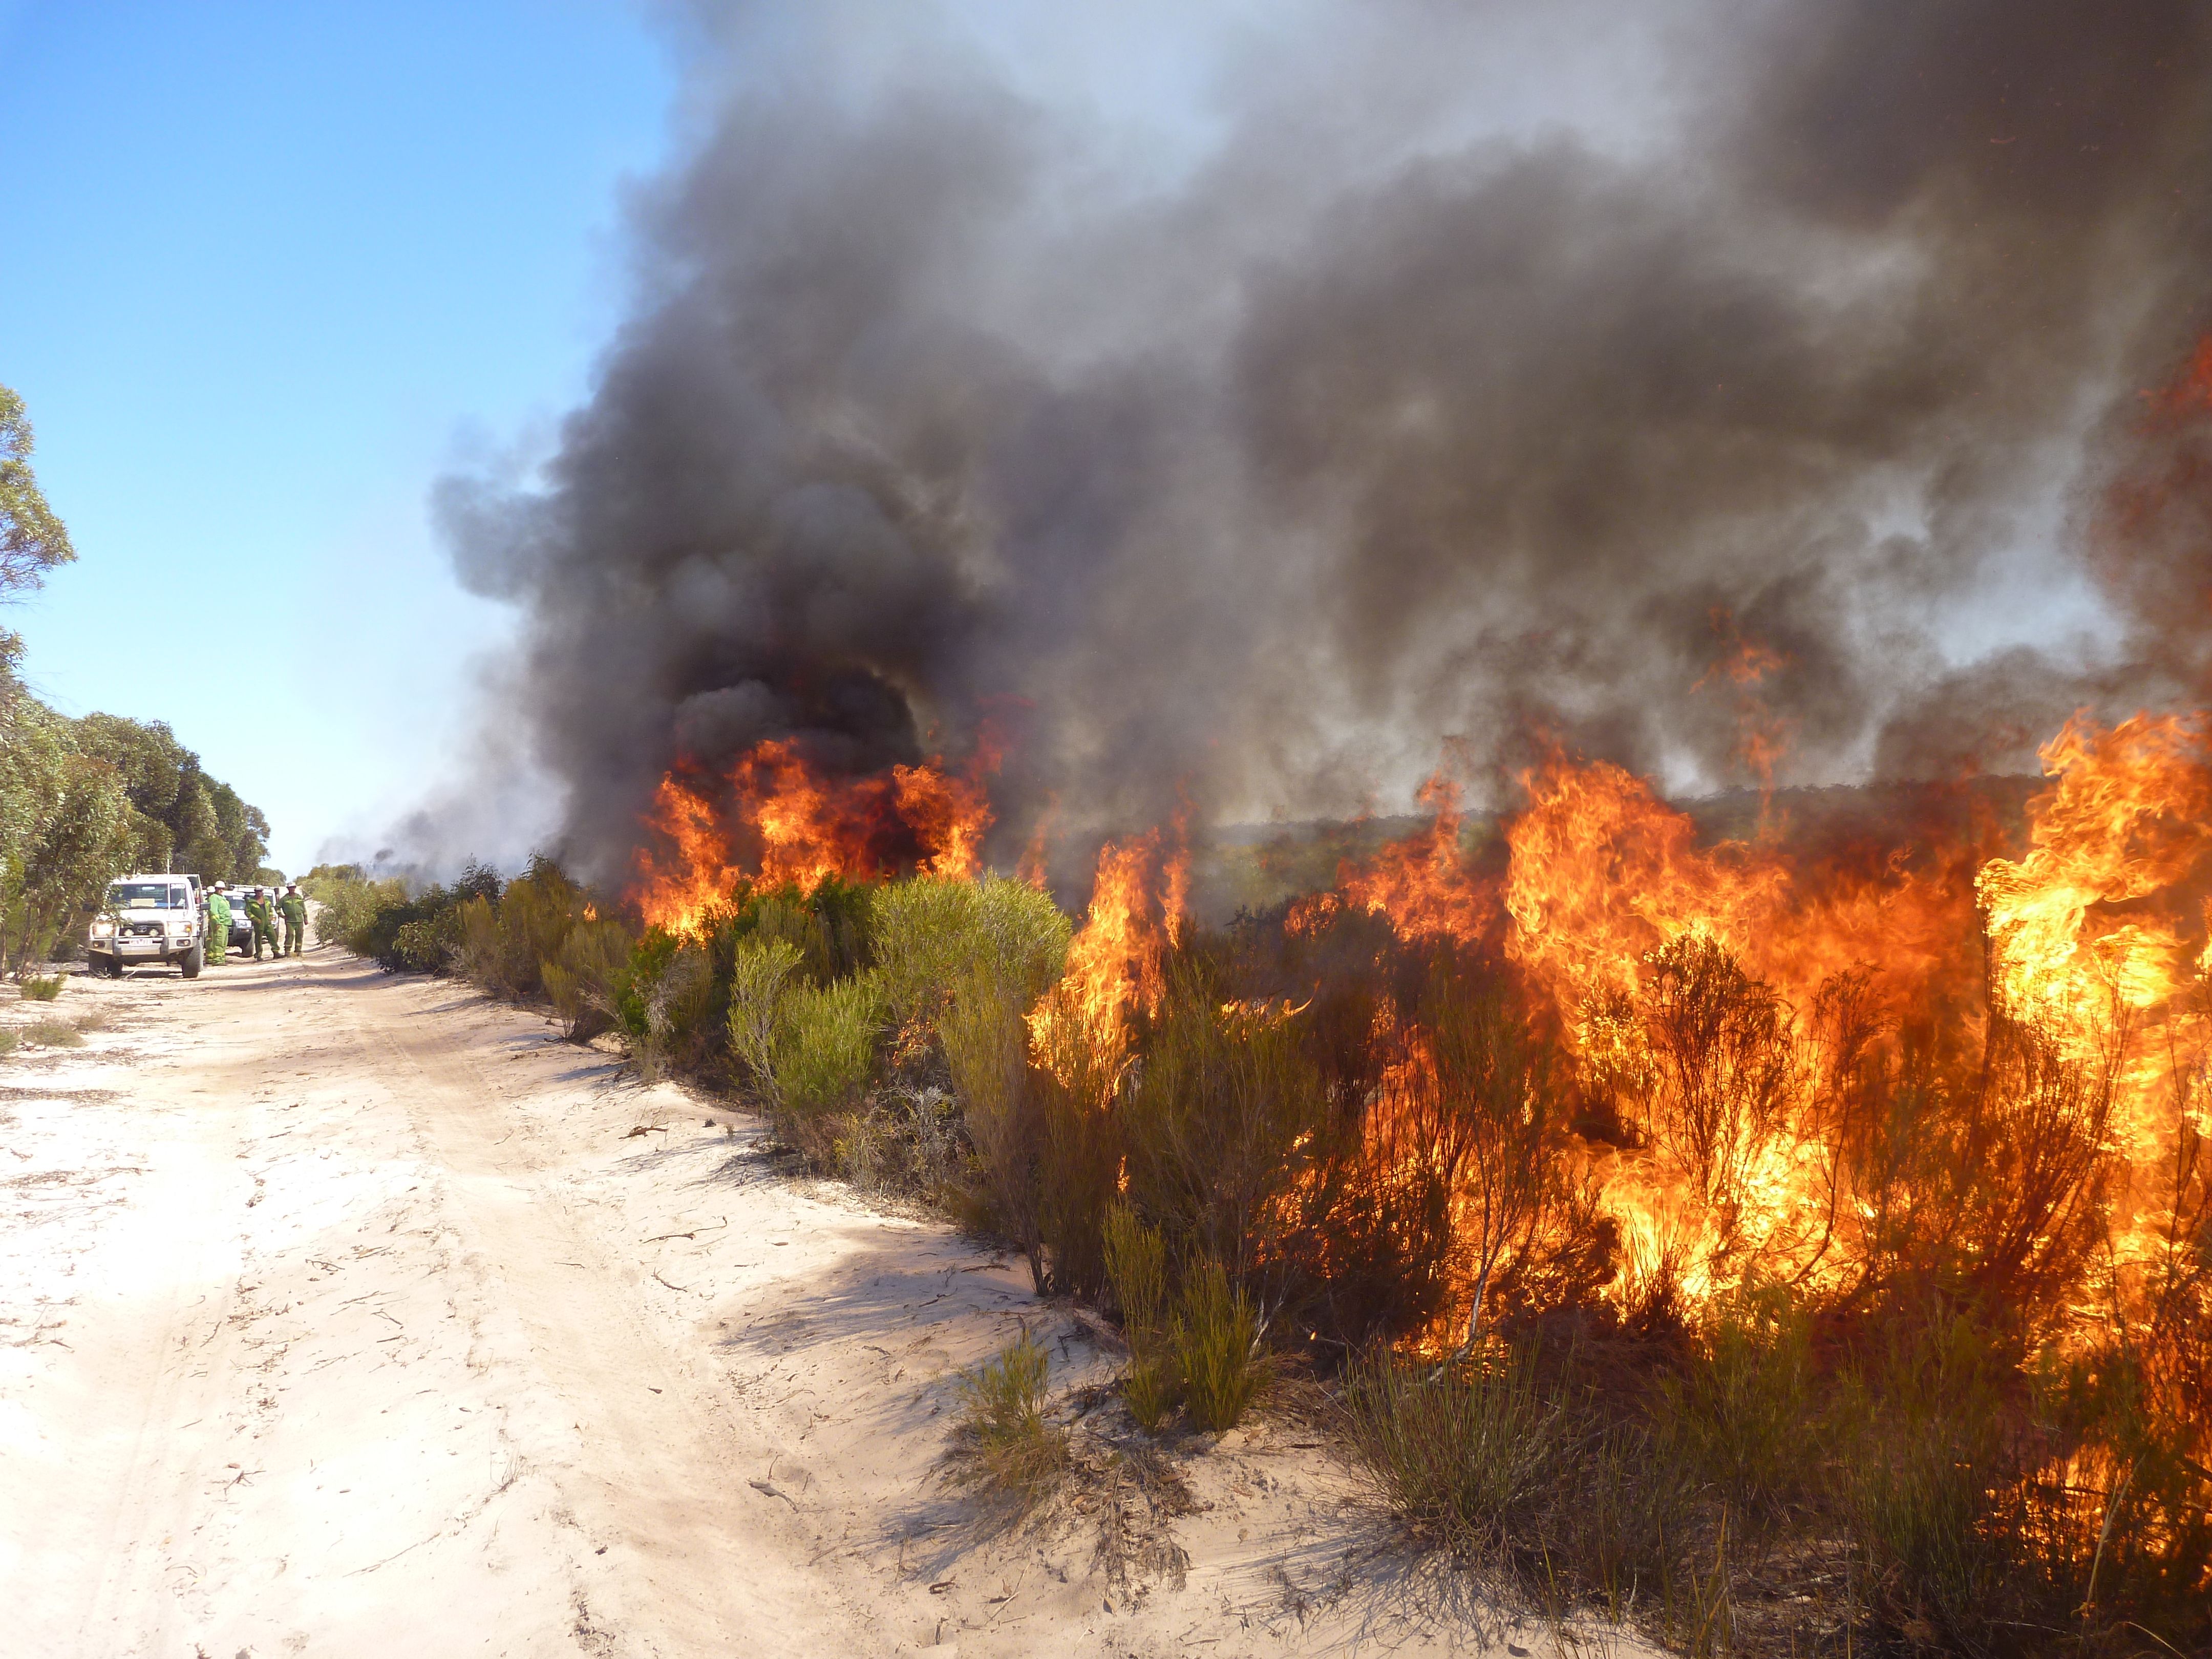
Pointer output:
x,y
694,1233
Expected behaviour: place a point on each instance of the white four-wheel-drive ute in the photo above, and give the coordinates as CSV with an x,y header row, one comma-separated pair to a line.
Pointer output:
x,y
149,919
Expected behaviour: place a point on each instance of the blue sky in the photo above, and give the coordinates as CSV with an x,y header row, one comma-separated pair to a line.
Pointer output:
x,y
269,268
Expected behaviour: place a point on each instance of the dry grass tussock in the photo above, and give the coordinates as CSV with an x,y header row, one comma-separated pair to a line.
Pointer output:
x,y
1042,1463
49,1034
1003,1442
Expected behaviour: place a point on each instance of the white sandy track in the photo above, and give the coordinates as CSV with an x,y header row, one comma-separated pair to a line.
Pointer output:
x,y
342,1315
310,1355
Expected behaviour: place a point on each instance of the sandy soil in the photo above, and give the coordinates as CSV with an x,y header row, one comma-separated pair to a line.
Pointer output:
x,y
341,1314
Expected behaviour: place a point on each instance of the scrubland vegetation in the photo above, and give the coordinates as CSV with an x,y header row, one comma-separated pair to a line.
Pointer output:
x,y
1949,1413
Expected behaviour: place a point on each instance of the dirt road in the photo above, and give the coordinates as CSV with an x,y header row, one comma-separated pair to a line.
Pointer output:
x,y
341,1314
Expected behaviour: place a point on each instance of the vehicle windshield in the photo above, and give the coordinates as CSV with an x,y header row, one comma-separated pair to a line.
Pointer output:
x,y
147,895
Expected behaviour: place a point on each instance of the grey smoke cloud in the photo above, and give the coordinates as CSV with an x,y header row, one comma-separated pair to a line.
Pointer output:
x,y
1396,409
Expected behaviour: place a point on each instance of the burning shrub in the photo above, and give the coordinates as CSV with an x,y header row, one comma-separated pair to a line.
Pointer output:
x,y
1070,1085
1475,1127
1700,1067
1217,1121
1658,1181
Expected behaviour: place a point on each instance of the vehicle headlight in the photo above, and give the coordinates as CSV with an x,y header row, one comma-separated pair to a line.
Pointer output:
x,y
103,930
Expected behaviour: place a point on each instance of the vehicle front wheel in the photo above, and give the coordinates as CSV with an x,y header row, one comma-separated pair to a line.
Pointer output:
x,y
190,962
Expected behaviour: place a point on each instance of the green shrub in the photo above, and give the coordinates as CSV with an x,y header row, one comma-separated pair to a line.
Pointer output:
x,y
9,1039
349,905
931,933
761,974
986,1051
831,927
662,998
907,1142
42,988
424,947
962,963
825,1045
1151,1390
1214,1127
52,1034
1136,1269
510,935
809,1050
579,981
1529,1476
1214,1337
1741,1417
1003,1440
1475,1459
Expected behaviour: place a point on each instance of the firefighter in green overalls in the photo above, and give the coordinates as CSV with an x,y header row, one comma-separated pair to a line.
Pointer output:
x,y
264,918
293,910
218,934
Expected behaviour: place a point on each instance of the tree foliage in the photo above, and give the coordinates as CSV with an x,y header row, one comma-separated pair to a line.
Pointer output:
x,y
84,801
32,539
181,818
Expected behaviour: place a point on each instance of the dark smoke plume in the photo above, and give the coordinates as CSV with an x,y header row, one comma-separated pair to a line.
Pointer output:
x,y
1774,407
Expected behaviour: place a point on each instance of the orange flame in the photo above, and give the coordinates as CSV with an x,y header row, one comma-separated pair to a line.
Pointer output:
x,y
1600,872
1422,882
2129,818
1114,962
775,817
2097,934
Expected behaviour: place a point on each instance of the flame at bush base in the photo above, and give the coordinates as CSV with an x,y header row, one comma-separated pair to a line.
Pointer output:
x,y
1707,995
1721,1001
